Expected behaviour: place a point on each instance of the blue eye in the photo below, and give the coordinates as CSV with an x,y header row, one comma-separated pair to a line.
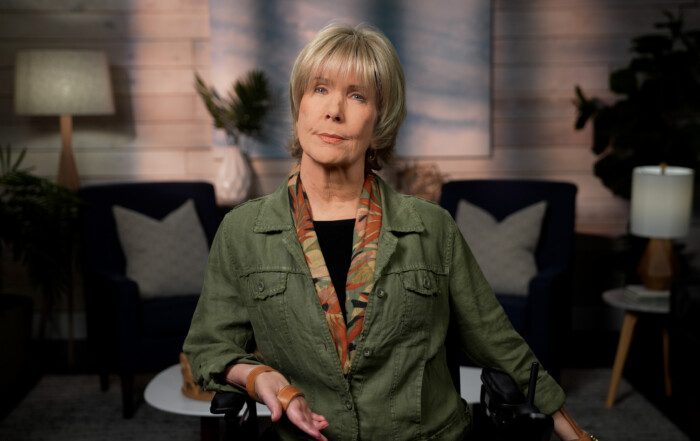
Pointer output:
x,y
357,96
319,89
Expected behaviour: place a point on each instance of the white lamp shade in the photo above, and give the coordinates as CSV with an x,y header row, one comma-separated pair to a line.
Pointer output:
x,y
661,201
62,82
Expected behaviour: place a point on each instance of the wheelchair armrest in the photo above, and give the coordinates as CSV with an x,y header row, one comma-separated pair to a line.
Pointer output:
x,y
508,413
230,404
227,403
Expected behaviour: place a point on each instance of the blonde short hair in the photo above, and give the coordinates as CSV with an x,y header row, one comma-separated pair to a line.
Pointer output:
x,y
369,54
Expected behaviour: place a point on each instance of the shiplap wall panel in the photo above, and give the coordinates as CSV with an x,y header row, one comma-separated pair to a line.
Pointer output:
x,y
129,164
103,25
515,80
106,5
560,51
581,19
163,81
131,53
142,136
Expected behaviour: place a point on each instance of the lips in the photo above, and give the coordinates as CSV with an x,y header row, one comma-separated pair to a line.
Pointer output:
x,y
330,138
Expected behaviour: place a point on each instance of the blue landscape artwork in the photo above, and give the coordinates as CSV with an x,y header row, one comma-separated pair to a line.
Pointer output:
x,y
444,47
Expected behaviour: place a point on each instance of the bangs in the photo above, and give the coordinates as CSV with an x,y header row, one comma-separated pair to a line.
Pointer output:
x,y
348,56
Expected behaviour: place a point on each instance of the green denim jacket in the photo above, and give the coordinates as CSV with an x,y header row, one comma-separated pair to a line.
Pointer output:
x,y
258,292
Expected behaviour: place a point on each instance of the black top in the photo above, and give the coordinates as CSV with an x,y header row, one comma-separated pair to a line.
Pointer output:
x,y
335,239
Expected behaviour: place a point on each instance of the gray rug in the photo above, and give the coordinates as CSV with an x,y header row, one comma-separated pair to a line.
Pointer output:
x,y
72,408
632,417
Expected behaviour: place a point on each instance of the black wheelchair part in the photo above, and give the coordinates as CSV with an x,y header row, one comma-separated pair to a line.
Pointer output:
x,y
504,413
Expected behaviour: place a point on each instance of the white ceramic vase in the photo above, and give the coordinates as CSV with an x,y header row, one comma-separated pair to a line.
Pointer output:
x,y
234,178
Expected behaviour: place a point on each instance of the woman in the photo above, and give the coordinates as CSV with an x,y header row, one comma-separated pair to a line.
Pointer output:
x,y
343,288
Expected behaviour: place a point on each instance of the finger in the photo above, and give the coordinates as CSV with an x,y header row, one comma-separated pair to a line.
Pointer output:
x,y
319,421
301,416
318,417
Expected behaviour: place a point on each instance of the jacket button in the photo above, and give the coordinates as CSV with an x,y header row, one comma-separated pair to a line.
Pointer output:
x,y
381,293
367,353
426,283
348,405
261,286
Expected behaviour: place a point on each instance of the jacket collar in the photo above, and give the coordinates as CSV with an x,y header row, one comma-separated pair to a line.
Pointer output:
x,y
399,214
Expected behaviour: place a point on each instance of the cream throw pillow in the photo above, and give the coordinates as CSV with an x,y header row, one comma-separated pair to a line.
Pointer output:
x,y
505,250
166,257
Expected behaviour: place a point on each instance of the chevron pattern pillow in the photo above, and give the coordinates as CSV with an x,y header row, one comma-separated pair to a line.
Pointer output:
x,y
164,257
504,250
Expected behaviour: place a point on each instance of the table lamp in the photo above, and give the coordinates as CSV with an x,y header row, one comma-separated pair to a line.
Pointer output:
x,y
64,83
662,199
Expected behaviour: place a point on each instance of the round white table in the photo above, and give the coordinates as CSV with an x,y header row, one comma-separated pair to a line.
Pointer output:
x,y
635,306
164,392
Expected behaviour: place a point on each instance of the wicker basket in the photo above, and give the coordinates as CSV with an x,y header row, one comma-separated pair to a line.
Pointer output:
x,y
189,387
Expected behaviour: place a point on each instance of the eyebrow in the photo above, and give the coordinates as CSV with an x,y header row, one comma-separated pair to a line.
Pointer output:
x,y
351,86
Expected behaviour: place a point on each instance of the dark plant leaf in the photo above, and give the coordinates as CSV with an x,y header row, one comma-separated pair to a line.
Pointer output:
x,y
245,107
38,224
653,45
623,82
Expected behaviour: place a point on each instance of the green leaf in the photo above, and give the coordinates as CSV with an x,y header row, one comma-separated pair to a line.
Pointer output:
x,y
245,107
654,45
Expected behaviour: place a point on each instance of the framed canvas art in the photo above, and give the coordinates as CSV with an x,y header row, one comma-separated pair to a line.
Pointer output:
x,y
444,47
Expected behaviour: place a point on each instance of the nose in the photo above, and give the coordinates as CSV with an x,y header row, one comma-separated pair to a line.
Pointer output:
x,y
334,111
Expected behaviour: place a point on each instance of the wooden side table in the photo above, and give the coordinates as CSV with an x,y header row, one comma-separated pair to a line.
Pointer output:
x,y
634,308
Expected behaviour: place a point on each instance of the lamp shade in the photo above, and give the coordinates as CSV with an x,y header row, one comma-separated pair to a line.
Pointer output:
x,y
62,82
662,200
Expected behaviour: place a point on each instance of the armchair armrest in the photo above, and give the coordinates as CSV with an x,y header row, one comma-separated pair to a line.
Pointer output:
x,y
546,297
114,308
545,280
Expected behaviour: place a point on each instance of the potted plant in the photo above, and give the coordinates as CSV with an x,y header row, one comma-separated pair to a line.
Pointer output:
x,y
38,226
657,116
239,113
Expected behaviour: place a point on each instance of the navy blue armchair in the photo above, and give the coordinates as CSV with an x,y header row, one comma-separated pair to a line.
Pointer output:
x,y
127,334
542,317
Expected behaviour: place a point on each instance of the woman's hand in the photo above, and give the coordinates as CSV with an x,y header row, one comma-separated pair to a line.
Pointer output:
x,y
566,428
267,386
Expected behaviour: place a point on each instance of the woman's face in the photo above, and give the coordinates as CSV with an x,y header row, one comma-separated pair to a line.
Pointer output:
x,y
336,121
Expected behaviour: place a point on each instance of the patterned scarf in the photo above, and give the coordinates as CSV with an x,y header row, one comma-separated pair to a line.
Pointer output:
x,y
359,283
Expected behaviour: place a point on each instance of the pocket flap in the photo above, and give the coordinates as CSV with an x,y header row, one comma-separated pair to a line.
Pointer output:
x,y
420,281
267,284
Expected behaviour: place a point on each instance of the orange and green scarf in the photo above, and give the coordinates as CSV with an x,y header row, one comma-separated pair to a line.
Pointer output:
x,y
368,222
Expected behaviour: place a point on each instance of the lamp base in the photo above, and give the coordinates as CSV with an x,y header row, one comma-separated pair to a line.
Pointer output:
x,y
659,264
67,171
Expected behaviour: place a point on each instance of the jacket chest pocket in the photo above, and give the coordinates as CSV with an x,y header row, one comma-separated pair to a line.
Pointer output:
x,y
421,290
267,289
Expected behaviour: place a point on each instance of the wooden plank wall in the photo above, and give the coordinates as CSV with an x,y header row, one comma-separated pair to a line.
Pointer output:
x,y
541,50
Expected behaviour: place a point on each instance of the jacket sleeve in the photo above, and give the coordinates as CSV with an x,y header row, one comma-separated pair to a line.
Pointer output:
x,y
220,333
485,332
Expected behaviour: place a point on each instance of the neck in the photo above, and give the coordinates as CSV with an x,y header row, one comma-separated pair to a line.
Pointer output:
x,y
333,192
